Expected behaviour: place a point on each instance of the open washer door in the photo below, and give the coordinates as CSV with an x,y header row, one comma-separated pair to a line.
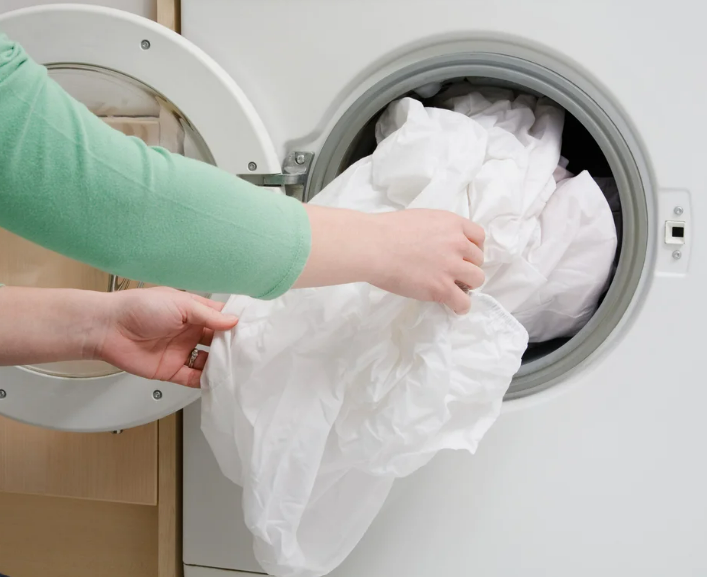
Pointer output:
x,y
146,81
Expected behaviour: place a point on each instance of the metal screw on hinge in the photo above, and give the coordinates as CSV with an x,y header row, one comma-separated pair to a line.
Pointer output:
x,y
157,395
678,210
299,159
677,255
145,44
3,394
252,166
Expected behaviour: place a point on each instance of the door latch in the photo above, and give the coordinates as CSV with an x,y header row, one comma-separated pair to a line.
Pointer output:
x,y
294,175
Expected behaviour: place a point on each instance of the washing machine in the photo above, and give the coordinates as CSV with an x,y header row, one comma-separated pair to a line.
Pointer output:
x,y
596,465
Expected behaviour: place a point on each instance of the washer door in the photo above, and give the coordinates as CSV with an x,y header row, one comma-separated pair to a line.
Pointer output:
x,y
146,81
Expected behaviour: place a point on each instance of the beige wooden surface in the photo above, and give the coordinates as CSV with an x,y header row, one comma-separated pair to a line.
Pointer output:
x,y
168,14
44,536
169,506
23,263
100,466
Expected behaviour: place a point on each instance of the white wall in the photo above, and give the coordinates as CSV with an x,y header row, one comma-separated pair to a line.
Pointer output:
x,y
147,8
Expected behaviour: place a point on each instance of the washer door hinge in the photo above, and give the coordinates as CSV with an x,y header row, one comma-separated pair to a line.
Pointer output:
x,y
294,175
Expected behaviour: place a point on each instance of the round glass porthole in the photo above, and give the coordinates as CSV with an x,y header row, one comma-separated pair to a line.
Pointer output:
x,y
591,141
135,109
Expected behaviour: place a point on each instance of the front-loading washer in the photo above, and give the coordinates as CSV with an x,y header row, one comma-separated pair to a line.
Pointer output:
x,y
594,466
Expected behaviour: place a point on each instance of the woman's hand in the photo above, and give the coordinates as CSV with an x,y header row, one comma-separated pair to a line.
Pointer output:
x,y
416,253
152,332
148,332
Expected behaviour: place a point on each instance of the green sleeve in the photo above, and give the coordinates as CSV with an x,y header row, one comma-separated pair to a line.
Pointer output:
x,y
74,185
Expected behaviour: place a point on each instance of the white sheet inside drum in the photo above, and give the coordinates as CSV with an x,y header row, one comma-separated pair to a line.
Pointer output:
x,y
578,147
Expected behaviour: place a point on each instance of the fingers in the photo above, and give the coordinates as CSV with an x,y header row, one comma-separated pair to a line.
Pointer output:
x,y
200,361
458,300
474,254
470,275
187,377
207,338
474,233
217,306
208,335
164,289
191,377
200,314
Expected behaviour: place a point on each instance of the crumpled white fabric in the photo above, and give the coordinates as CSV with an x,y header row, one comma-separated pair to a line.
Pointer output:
x,y
318,400
550,237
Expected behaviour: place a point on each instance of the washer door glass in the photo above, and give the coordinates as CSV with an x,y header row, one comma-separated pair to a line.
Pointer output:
x,y
136,110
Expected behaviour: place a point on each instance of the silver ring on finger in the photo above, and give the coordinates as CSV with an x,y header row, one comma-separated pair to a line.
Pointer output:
x,y
192,358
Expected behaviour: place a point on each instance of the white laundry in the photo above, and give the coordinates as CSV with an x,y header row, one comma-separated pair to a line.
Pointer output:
x,y
318,400
550,237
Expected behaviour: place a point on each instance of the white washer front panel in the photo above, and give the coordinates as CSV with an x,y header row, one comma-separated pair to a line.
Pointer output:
x,y
219,111
191,80
299,61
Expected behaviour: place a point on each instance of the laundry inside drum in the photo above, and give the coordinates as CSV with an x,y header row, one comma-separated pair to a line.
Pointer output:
x,y
579,152
136,110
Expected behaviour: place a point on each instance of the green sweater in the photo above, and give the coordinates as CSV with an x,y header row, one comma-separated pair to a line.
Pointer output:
x,y
74,185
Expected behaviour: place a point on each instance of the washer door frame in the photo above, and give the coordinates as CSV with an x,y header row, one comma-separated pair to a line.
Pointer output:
x,y
217,108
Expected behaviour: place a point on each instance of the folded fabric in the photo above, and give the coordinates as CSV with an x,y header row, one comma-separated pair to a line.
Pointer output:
x,y
319,399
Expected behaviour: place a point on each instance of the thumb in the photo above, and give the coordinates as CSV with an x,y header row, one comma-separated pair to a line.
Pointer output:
x,y
201,315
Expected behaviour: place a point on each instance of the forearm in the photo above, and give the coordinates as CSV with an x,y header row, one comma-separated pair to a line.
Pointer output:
x,y
48,325
346,247
76,186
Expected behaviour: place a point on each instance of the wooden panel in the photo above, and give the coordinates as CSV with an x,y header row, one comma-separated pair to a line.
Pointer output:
x,y
50,536
100,466
23,263
169,507
168,14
